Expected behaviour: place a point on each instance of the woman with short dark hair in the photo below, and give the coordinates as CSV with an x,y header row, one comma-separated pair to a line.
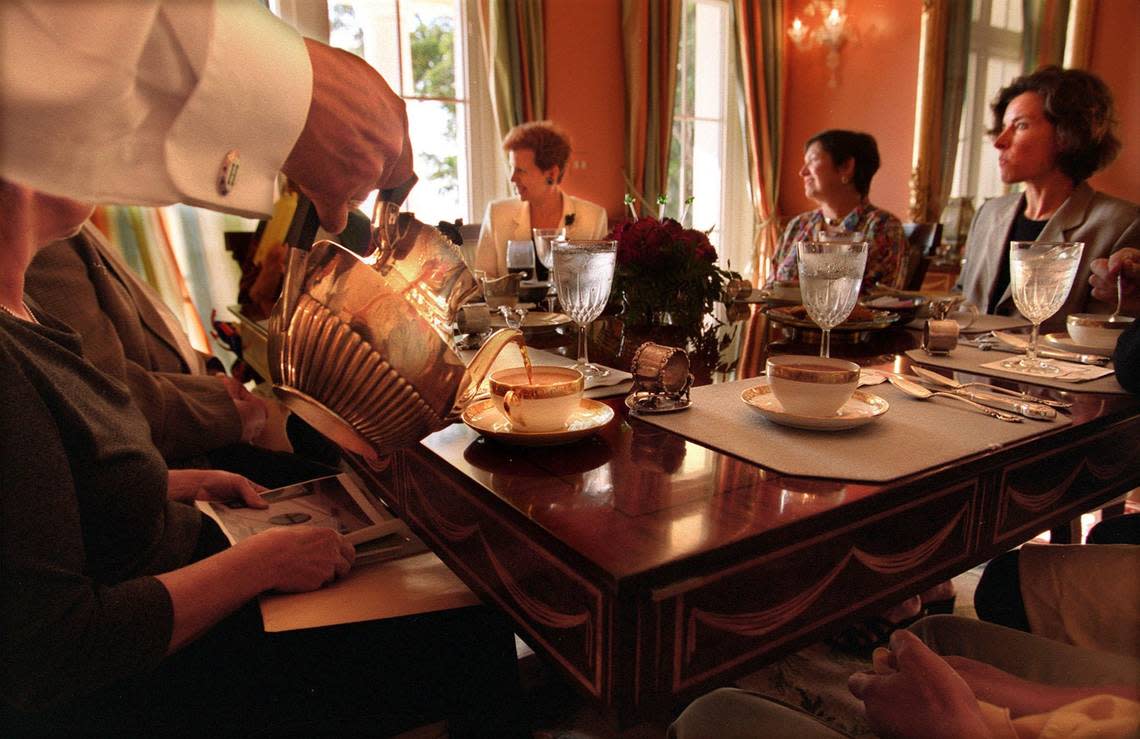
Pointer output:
x,y
1052,129
837,172
537,153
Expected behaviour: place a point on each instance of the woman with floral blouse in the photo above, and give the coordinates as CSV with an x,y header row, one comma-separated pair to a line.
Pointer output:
x,y
837,172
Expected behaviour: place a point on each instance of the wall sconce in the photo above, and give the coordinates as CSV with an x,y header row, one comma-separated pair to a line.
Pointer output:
x,y
830,32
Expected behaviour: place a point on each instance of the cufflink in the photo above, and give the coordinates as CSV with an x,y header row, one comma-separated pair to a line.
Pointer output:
x,y
228,172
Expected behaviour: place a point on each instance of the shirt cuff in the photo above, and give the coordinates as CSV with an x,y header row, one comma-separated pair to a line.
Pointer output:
x,y
248,108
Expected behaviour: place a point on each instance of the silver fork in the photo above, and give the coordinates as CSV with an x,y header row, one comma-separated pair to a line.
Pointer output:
x,y
915,390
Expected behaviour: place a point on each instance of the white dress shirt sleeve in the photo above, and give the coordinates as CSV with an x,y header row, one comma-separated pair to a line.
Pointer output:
x,y
125,101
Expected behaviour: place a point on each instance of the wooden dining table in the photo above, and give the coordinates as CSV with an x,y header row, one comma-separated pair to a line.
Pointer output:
x,y
649,568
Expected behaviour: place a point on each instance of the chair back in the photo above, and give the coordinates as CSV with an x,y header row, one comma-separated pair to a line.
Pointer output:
x,y
923,240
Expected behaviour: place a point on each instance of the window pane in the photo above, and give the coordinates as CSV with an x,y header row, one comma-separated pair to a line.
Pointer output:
x,y
999,72
368,28
707,173
966,132
1016,20
414,45
429,67
438,194
708,67
696,151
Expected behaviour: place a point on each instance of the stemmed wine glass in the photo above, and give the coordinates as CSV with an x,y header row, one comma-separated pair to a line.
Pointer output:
x,y
584,272
1041,275
830,275
544,239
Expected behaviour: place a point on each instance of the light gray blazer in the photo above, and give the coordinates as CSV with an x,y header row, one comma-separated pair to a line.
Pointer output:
x,y
1103,222
509,219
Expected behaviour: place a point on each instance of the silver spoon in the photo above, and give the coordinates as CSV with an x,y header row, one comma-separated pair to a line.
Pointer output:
x,y
942,379
918,391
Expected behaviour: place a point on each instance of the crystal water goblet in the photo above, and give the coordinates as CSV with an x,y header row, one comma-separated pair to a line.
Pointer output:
x,y
1041,276
584,273
830,275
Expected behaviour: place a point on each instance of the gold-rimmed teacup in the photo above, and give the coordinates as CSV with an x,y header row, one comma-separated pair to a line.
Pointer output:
x,y
812,386
546,401
1097,330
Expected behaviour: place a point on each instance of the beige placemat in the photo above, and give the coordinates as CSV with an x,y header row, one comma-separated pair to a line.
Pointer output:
x,y
913,435
971,360
982,324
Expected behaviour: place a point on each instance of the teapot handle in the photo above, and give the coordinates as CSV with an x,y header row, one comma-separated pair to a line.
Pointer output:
x,y
303,227
356,236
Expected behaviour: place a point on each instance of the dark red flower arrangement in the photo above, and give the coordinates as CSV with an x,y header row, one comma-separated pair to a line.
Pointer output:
x,y
665,268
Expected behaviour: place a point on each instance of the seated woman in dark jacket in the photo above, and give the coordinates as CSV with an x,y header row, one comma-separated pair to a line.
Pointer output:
x,y
121,606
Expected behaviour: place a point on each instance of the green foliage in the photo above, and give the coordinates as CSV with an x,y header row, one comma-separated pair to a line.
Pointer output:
x,y
432,46
433,58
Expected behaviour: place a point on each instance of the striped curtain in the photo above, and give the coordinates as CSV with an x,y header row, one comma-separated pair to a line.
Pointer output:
x,y
180,252
760,47
1046,26
651,32
516,54
1078,46
942,90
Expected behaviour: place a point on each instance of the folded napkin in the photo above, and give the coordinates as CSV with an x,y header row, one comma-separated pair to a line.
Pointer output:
x,y
1070,372
973,361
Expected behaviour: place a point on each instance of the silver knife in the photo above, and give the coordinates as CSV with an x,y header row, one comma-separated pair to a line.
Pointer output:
x,y
1022,407
999,345
1019,343
931,377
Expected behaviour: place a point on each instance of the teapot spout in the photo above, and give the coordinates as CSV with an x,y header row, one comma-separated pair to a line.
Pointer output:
x,y
481,363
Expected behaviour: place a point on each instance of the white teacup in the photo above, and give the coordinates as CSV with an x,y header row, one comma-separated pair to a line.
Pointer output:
x,y
1096,330
812,386
545,404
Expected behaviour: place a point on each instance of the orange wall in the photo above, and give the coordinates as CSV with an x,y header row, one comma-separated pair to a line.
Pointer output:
x,y
877,79
1116,59
878,75
585,87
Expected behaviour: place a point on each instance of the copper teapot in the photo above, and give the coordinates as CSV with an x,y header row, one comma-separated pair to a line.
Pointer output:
x,y
360,342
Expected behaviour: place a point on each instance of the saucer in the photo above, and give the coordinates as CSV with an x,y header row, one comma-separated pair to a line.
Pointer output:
x,y
861,408
484,417
1062,340
534,320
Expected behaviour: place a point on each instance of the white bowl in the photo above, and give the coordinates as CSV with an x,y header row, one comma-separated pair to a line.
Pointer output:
x,y
812,386
1096,329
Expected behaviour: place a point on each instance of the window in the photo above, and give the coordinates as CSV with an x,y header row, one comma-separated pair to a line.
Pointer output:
x,y
995,59
422,49
707,158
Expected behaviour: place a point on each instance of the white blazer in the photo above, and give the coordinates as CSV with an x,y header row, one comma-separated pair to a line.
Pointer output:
x,y
509,220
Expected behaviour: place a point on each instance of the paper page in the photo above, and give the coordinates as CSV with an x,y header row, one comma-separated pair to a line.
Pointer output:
x,y
401,587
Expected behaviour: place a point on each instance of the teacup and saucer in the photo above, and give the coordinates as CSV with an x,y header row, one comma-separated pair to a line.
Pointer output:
x,y
817,393
543,408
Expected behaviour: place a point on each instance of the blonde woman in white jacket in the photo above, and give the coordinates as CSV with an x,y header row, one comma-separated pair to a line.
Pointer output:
x,y
537,154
